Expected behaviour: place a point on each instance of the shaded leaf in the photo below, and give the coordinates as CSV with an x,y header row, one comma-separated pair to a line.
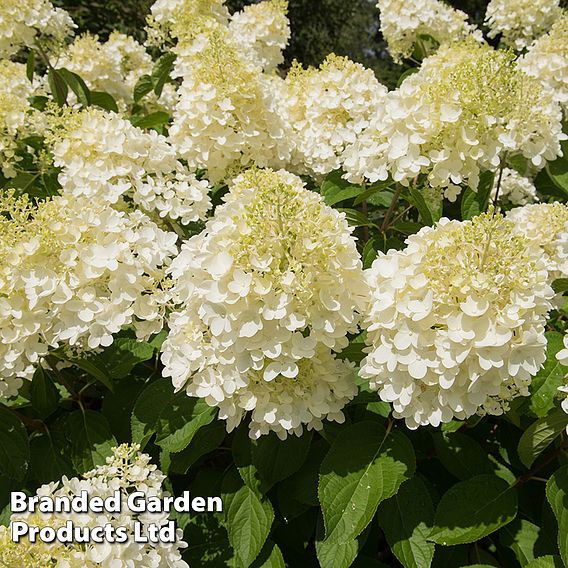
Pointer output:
x,y
407,519
540,434
364,466
473,509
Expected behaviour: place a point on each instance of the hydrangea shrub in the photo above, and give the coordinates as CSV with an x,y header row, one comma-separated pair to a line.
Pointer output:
x,y
339,307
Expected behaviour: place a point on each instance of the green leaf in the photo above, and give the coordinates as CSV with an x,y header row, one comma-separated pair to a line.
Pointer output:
x,y
91,366
335,189
104,101
205,441
521,537
161,71
369,253
560,285
546,562
143,86
333,554
44,394
408,227
558,169
38,102
540,434
90,437
30,66
123,355
14,446
544,386
473,509
365,465
484,188
407,520
57,86
175,418
469,205
356,218
248,518
153,120
461,455
270,557
557,495
302,486
276,459
420,203
77,85
118,406
49,459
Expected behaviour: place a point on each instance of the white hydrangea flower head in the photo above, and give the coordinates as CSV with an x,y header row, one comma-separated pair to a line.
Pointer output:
x,y
449,122
226,116
456,321
271,286
103,156
262,30
547,61
75,271
327,109
171,20
15,112
113,66
22,20
514,188
127,470
546,225
520,22
402,22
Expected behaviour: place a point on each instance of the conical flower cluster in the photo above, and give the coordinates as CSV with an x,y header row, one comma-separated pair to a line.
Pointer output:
x,y
326,110
547,61
545,225
455,324
449,122
103,156
226,115
74,272
520,22
404,23
267,291
21,21
262,30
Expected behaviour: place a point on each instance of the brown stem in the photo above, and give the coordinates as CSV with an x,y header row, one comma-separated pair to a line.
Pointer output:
x,y
391,208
